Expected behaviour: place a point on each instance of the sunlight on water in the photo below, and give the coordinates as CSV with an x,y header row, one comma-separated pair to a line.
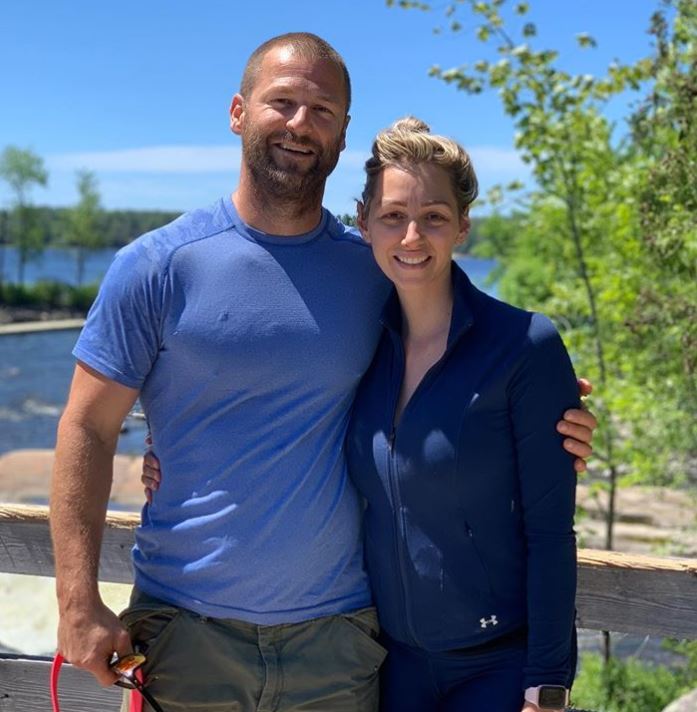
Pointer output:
x,y
29,614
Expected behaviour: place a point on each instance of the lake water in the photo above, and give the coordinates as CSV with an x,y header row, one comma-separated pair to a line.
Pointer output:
x,y
35,373
35,369
55,264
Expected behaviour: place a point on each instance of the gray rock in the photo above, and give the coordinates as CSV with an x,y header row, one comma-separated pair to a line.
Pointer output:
x,y
6,649
687,703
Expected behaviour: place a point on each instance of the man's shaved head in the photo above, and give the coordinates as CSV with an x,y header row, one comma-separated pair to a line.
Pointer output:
x,y
306,45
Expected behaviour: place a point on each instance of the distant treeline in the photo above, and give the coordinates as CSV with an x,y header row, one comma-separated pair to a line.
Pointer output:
x,y
118,227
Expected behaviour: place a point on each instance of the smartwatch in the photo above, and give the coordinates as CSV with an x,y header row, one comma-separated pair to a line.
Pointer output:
x,y
548,697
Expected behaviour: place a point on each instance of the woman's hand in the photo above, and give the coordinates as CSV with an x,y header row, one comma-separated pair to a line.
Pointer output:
x,y
151,474
578,426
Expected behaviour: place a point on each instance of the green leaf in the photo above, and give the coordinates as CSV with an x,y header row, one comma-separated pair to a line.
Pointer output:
x,y
529,29
585,40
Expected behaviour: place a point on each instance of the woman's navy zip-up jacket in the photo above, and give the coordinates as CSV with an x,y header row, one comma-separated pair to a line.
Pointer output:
x,y
470,497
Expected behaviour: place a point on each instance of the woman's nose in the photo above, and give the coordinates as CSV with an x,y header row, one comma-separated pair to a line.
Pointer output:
x,y
413,234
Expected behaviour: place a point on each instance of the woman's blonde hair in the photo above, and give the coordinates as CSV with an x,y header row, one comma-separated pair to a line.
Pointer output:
x,y
408,143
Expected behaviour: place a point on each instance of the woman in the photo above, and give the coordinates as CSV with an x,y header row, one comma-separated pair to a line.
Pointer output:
x,y
470,498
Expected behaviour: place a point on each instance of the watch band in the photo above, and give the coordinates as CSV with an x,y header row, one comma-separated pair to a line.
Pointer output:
x,y
548,697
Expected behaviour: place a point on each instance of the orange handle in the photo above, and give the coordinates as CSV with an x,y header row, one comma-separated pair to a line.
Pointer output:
x,y
136,703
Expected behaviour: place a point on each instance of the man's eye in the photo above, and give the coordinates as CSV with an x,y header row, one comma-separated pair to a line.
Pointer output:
x,y
323,110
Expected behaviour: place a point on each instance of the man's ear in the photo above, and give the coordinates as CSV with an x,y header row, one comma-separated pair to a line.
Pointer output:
x,y
236,114
362,221
465,225
343,133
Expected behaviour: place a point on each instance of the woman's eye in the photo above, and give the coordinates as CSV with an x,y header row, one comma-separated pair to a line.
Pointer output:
x,y
436,218
392,217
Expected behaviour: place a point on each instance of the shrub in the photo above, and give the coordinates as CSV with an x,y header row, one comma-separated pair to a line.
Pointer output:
x,y
626,685
81,298
48,295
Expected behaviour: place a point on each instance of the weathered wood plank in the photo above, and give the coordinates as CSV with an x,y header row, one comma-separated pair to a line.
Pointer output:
x,y
25,543
24,688
619,592
630,593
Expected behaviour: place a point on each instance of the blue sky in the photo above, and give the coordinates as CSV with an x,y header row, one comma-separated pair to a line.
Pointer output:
x,y
138,90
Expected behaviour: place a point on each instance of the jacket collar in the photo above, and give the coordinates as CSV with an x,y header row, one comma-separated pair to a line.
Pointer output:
x,y
464,295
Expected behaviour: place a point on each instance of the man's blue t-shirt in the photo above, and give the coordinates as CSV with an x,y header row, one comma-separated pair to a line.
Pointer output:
x,y
247,349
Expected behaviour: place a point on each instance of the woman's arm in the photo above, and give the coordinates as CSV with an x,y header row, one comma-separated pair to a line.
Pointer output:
x,y
543,388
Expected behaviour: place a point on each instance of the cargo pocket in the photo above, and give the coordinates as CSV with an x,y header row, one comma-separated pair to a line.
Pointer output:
x,y
149,625
182,671
364,630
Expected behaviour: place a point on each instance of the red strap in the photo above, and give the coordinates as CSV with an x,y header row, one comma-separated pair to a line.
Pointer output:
x,y
55,672
136,698
136,703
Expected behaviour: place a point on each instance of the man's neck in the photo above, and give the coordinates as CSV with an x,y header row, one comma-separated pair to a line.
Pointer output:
x,y
269,214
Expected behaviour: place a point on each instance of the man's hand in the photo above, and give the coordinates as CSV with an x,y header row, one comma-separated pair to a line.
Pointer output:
x,y
87,638
151,475
578,426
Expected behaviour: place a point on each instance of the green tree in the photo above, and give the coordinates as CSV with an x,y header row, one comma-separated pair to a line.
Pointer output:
x,y
348,219
83,229
663,326
22,169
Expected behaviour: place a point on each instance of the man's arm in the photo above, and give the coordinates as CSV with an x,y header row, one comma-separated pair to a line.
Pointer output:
x,y
577,425
88,632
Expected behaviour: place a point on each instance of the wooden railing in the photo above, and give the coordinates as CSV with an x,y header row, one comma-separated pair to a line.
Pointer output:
x,y
617,592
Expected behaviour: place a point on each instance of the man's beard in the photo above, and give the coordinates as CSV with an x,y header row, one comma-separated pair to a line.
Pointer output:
x,y
300,186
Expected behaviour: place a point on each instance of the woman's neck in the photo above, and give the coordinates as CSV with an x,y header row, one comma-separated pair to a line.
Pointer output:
x,y
426,313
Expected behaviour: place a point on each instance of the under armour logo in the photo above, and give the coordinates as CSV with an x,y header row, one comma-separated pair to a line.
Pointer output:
x,y
484,622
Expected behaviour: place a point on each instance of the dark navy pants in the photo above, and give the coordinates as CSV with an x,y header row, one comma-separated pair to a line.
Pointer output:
x,y
488,677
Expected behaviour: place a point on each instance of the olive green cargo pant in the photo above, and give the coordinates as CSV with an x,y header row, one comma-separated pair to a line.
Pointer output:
x,y
199,664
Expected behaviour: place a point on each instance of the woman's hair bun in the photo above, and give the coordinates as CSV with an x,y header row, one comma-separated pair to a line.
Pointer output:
x,y
409,142
410,124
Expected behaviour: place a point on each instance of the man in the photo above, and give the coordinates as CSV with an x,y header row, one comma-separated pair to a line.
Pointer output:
x,y
245,329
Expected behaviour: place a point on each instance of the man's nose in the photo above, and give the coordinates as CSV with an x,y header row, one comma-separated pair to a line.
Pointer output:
x,y
300,120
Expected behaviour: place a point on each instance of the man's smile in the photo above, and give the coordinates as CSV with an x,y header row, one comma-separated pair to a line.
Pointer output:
x,y
294,148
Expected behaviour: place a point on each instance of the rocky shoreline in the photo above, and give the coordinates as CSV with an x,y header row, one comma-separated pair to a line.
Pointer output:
x,y
25,476
21,315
